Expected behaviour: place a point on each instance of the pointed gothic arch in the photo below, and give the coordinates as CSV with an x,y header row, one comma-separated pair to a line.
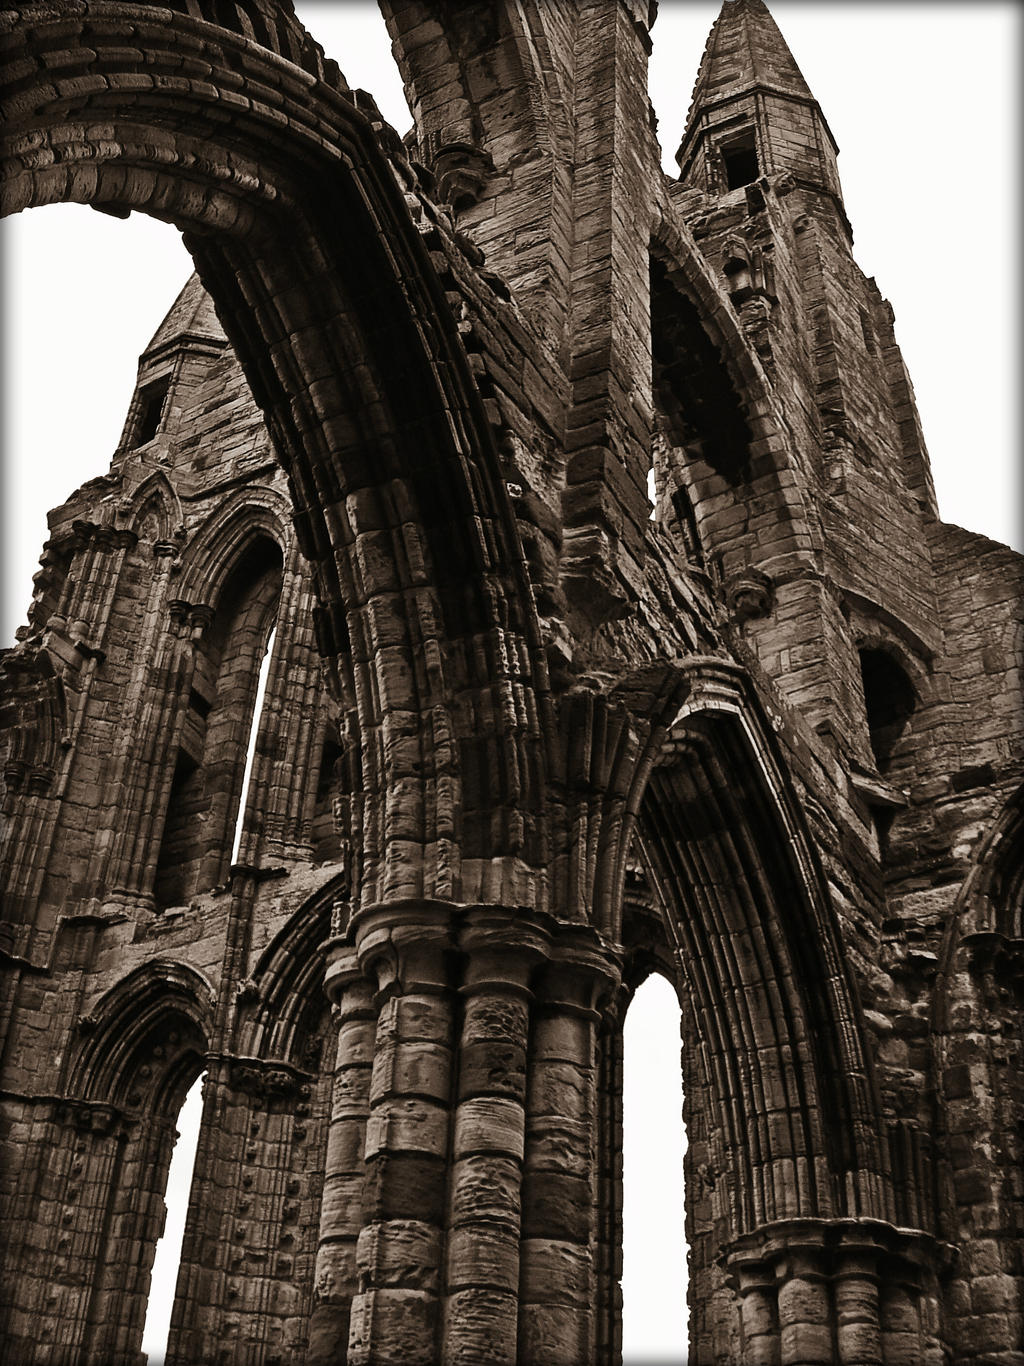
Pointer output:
x,y
96,1192
277,1087
154,498
247,514
750,418
129,1020
367,394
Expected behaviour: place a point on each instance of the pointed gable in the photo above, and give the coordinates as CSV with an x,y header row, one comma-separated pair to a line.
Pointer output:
x,y
191,315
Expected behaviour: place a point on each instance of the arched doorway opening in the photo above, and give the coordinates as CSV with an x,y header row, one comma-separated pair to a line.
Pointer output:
x,y
654,1253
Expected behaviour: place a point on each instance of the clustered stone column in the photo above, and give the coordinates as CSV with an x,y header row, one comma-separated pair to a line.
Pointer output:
x,y
398,1253
341,1206
482,1271
557,1285
473,1190
845,1292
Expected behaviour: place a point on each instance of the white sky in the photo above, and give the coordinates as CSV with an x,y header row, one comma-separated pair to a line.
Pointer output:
x,y
921,98
168,1249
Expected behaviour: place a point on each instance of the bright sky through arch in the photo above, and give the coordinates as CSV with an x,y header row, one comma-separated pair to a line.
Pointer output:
x,y
168,1249
654,1267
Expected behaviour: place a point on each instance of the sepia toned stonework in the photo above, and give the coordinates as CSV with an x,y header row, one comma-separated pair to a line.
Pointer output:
x,y
524,740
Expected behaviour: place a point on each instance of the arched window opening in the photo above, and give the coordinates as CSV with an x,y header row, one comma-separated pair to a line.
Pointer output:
x,y
164,1275
654,1267
250,747
692,387
206,798
183,810
889,701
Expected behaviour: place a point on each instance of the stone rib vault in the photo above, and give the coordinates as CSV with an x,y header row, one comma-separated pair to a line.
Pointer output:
x,y
524,741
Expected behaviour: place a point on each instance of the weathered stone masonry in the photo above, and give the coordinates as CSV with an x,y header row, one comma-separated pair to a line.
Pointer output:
x,y
522,744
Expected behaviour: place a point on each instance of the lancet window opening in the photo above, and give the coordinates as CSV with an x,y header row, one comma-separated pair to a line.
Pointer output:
x,y
250,747
206,798
700,410
889,701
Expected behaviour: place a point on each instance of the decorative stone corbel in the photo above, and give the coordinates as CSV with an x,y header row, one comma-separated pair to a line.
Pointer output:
x,y
751,596
747,270
461,171
199,618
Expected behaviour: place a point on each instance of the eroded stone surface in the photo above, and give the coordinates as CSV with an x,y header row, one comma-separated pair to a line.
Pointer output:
x,y
522,742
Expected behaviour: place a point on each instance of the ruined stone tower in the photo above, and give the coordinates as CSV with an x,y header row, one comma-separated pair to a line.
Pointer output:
x,y
523,740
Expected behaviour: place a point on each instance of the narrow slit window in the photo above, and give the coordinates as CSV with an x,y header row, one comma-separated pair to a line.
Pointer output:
x,y
250,748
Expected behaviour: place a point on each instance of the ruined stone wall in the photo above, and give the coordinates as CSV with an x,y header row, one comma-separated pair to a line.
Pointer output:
x,y
522,742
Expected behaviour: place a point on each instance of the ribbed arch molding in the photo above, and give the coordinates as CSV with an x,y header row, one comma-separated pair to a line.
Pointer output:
x,y
138,1015
155,498
769,468
217,546
779,1034
991,901
285,992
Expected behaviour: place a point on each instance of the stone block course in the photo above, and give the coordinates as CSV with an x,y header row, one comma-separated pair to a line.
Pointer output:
x,y
521,742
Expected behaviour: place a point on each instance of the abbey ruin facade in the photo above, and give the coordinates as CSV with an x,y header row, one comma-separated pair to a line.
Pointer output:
x,y
525,737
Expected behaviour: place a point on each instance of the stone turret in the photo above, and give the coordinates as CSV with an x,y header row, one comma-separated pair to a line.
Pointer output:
x,y
176,361
752,113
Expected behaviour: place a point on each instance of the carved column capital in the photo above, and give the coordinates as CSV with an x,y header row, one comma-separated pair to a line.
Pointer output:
x,y
405,945
834,1242
343,968
583,975
502,948
802,1276
87,1115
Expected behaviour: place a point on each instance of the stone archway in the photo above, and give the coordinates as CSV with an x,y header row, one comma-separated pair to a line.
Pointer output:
x,y
793,1213
366,390
96,1196
467,943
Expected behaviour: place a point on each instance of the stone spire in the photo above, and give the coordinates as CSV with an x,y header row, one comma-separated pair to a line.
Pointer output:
x,y
190,316
745,49
752,113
